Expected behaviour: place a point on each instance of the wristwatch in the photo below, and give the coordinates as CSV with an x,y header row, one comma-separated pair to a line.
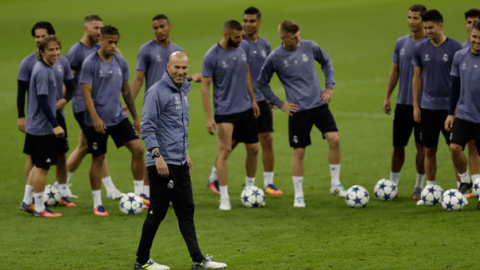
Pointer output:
x,y
156,154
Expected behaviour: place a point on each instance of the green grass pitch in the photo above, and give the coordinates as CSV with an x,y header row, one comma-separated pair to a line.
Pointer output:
x,y
359,36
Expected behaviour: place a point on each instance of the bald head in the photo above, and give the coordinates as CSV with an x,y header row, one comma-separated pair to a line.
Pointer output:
x,y
177,67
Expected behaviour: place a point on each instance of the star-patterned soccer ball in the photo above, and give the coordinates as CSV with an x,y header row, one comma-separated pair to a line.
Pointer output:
x,y
131,204
385,190
432,195
252,197
357,197
453,200
51,195
476,187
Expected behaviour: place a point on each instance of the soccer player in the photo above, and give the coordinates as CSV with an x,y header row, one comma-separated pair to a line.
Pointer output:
x,y
431,81
165,132
258,48
465,125
42,127
63,75
403,123
152,64
471,16
234,104
104,76
294,63
77,53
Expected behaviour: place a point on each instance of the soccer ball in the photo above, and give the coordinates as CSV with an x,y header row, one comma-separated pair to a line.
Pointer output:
x,y
385,190
252,197
476,187
357,197
453,200
432,195
51,196
131,204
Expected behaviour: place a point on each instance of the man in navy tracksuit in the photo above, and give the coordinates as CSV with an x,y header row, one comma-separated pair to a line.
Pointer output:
x,y
165,131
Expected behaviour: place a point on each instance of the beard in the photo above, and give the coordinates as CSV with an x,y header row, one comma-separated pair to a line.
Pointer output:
x,y
232,44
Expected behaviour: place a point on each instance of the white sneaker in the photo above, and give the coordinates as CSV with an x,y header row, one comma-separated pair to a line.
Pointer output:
x,y
69,193
225,204
207,263
298,202
151,265
420,202
338,190
115,194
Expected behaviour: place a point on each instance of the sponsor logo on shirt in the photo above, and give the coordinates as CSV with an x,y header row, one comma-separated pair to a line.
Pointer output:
x,y
426,58
285,64
254,51
101,74
304,58
403,51
445,58
158,58
264,54
475,66
244,57
119,71
224,65
464,66
59,68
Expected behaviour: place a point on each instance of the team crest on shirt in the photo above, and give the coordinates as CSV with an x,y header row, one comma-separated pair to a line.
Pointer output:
x,y
475,66
244,57
101,74
304,58
59,68
254,51
403,51
119,71
224,64
426,58
185,99
158,58
464,66
445,58
264,53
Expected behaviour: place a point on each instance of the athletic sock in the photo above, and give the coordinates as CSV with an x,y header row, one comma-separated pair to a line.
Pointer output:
x,y
458,184
108,183
28,195
335,174
394,177
69,175
146,190
39,206
249,181
464,177
224,192
62,189
267,179
431,182
474,177
97,197
419,181
297,185
213,175
138,186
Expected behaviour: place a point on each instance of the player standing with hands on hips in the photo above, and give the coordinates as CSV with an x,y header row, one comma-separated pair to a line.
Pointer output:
x,y
165,120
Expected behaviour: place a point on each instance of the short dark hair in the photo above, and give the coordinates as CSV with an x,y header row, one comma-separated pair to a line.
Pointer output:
x,y
161,17
44,43
476,25
289,26
110,30
432,15
418,8
232,25
43,25
91,18
253,11
472,13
